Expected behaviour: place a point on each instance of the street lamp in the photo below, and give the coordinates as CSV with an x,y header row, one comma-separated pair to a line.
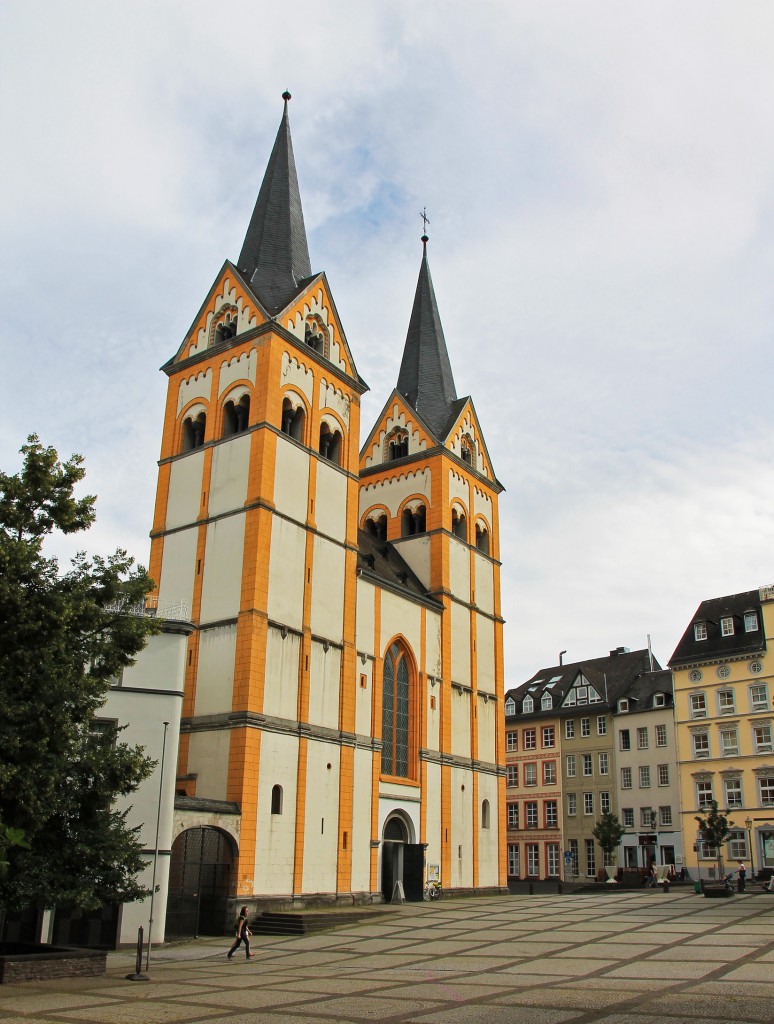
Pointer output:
x,y
748,825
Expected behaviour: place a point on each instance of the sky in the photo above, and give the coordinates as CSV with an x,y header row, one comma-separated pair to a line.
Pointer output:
x,y
598,179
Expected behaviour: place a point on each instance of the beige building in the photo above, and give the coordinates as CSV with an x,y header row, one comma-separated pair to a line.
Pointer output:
x,y
723,685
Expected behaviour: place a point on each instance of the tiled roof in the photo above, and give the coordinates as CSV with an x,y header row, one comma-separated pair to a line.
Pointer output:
x,y
716,647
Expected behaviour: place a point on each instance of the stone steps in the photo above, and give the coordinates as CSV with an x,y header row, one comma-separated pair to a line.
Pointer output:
x,y
307,922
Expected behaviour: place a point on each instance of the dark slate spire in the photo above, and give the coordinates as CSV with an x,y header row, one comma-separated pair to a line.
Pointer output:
x,y
275,254
425,377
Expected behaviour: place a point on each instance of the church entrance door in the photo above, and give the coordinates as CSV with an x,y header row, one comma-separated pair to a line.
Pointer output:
x,y
402,861
199,880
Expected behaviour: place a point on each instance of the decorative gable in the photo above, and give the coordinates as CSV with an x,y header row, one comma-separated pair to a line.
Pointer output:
x,y
581,692
228,312
312,318
397,434
466,441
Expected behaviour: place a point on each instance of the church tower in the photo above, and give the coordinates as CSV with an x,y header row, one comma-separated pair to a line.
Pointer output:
x,y
340,727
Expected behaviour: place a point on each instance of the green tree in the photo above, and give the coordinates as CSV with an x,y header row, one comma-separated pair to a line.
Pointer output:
x,y
63,637
608,832
714,830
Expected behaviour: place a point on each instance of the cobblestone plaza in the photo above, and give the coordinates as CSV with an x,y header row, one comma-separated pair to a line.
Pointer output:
x,y
622,958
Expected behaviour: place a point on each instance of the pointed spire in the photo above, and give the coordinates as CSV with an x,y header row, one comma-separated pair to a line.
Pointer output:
x,y
425,377
275,254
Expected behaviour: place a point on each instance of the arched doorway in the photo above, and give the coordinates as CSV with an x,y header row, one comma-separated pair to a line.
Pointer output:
x,y
199,883
402,860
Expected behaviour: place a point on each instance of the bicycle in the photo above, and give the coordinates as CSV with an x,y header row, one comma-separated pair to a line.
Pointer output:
x,y
432,891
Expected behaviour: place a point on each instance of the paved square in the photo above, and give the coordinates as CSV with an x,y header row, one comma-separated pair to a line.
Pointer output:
x,y
618,958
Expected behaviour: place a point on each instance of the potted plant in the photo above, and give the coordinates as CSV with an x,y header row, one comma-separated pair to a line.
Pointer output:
x,y
608,832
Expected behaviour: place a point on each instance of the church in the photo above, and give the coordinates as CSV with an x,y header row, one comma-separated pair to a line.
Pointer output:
x,y
342,720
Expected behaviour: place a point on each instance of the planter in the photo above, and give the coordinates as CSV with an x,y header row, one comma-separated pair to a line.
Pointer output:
x,y
717,892
21,961
611,871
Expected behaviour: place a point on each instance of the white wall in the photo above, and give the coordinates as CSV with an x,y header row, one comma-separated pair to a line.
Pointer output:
x,y
460,721
280,695
460,624
461,827
485,654
222,584
361,821
327,616
208,756
324,685
178,567
321,806
286,572
228,477
185,490
330,508
275,836
215,675
488,873
291,480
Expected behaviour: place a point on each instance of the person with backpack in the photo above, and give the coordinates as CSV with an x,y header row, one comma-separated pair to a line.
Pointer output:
x,y
243,934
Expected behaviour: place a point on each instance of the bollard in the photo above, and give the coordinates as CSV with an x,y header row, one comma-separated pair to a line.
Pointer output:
x,y
138,975
666,885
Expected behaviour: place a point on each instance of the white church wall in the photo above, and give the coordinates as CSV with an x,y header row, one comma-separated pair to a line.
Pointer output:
x,y
361,821
215,674
488,838
484,584
241,367
462,827
330,507
327,614
433,716
208,758
400,617
363,698
393,492
416,552
460,624
364,626
485,719
485,654
459,569
460,720
432,797
178,567
291,482
222,584
228,477
321,817
433,622
458,488
280,695
286,572
324,683
185,490
275,835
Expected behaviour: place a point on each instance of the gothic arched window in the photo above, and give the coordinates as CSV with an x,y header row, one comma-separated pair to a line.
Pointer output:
x,y
396,713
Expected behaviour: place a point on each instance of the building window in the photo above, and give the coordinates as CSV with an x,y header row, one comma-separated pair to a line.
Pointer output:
x,y
572,804
627,817
698,705
549,773
732,789
624,740
647,817
513,815
762,738
665,816
293,420
530,739
587,765
727,626
729,743
601,725
485,814
511,741
513,860
661,735
276,799
626,778
533,860
700,631
663,775
642,739
510,706
552,814
591,863
659,700
604,763
623,704
330,444
396,718
570,766
482,538
512,775
569,729
552,853
737,845
588,803
460,529
235,416
766,789
703,795
194,428
701,747
759,697
750,622
530,775
413,521
585,726
398,446
547,702
755,667
527,706
644,776
548,736
531,812
604,803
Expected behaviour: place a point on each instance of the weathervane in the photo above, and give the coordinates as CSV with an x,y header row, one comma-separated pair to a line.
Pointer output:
x,y
423,215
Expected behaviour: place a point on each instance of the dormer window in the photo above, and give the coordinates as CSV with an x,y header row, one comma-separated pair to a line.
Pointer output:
x,y
700,630
659,700
527,706
547,702
510,706
727,625
750,622
623,704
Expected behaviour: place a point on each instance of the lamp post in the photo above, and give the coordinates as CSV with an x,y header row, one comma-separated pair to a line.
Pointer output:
x,y
748,824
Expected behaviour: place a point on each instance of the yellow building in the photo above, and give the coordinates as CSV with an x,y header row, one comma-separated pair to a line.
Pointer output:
x,y
342,722
723,680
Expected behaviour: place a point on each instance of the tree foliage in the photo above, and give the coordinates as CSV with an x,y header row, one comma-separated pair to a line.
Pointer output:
x,y
63,637
714,830
608,832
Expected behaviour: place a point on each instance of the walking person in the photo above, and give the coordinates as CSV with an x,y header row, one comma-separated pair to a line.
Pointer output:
x,y
741,875
243,934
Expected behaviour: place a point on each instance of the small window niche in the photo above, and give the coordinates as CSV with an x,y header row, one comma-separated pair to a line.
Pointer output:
x,y
276,799
376,527
482,538
485,814
330,443
194,428
413,520
293,420
236,416
459,524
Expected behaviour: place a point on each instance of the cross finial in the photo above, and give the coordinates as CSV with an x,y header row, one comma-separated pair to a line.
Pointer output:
x,y
424,217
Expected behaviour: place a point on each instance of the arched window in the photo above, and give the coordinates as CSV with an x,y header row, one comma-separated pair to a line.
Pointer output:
x,y
482,538
485,814
276,799
397,447
235,416
193,431
396,718
293,420
330,444
413,522
226,329
377,527
527,706
547,702
459,525
316,336
510,706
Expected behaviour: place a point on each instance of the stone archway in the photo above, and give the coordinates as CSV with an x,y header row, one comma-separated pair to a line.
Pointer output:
x,y
402,860
199,883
